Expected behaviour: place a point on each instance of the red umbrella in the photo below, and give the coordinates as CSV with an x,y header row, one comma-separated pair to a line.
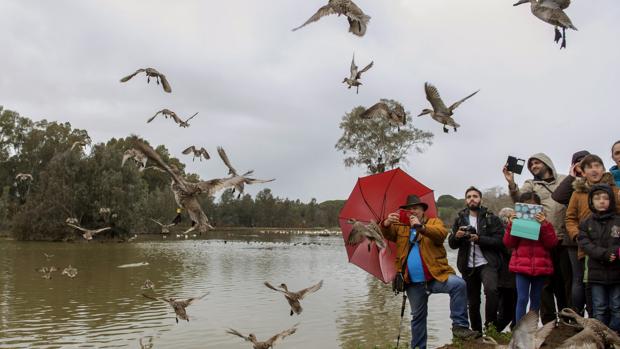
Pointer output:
x,y
373,198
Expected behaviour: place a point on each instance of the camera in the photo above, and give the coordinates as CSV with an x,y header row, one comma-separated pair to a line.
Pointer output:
x,y
515,165
468,231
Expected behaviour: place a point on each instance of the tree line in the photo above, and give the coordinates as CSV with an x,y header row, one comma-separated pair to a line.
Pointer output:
x,y
87,183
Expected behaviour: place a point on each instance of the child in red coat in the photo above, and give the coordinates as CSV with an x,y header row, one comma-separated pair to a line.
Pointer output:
x,y
530,260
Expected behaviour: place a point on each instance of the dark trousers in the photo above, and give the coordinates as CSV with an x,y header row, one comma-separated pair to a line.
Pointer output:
x,y
558,288
506,308
485,276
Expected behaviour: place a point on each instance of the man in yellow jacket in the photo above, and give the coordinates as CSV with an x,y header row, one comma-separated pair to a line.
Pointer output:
x,y
422,260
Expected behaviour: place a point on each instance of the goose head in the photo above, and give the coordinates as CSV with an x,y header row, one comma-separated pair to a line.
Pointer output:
x,y
284,287
425,112
521,2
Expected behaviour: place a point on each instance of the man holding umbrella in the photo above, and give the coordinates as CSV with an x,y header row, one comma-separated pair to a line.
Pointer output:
x,y
421,261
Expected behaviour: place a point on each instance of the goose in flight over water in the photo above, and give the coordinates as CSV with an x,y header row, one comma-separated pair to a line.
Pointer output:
x,y
151,73
440,112
358,20
236,180
178,305
270,343
46,272
552,12
88,233
356,75
293,298
169,113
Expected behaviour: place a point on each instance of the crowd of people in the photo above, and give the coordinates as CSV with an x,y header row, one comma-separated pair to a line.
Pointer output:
x,y
574,263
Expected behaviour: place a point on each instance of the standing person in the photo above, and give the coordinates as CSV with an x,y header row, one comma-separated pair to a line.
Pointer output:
x,y
422,261
477,234
506,285
531,260
615,169
599,237
563,192
544,183
579,209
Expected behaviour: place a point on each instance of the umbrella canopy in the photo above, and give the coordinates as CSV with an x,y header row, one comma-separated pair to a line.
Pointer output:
x,y
373,198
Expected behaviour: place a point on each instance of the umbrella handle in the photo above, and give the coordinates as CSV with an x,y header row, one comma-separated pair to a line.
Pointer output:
x,y
402,314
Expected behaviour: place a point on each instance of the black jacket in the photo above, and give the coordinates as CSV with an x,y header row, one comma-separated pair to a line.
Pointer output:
x,y
563,192
491,232
599,237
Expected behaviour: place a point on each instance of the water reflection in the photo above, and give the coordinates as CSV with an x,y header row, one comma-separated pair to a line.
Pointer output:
x,y
103,307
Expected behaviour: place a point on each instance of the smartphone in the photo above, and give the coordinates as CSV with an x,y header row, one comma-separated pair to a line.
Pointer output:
x,y
515,165
404,216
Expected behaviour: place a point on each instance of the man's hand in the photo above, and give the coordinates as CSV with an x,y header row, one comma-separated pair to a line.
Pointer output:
x,y
413,221
510,177
474,238
392,218
575,170
459,234
540,217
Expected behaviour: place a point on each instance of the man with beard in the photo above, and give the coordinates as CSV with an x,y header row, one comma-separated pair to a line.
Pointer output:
x,y
544,183
477,234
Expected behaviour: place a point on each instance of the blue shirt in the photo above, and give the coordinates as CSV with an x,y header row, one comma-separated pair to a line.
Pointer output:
x,y
414,261
616,172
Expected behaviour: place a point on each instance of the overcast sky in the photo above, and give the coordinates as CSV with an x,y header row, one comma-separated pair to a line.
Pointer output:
x,y
274,98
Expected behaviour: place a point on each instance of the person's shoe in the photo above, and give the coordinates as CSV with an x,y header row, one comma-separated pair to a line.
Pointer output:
x,y
461,332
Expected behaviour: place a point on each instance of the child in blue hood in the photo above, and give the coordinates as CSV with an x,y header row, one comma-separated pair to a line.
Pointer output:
x,y
615,155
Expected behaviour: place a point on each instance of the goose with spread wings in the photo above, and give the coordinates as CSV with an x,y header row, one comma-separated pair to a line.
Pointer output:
x,y
165,228
270,343
293,298
552,12
178,305
396,115
356,75
358,20
592,331
370,232
167,113
23,177
88,234
200,153
440,112
137,156
236,180
46,272
151,73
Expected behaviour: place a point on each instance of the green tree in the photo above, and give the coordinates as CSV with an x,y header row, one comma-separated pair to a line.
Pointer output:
x,y
377,144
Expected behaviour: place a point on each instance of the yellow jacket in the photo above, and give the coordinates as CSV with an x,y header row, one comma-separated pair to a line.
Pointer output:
x,y
431,241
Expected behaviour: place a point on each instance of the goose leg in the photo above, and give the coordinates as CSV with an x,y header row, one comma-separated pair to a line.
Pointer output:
x,y
558,35
563,38
357,90
445,130
292,312
148,79
176,318
455,129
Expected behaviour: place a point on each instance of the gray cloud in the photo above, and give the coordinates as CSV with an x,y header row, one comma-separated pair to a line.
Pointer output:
x,y
274,98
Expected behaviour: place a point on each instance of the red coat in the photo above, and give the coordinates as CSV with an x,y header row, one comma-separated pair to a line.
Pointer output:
x,y
531,257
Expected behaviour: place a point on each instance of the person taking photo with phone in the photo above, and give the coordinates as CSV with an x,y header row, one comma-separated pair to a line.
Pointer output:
x,y
421,260
477,233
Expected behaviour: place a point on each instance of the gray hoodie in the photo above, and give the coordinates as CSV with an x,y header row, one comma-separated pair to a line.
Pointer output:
x,y
555,211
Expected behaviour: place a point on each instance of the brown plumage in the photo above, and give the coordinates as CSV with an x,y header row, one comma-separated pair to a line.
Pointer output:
x,y
23,177
137,156
361,232
178,305
236,180
596,330
356,75
88,233
293,298
167,113
440,112
396,116
270,343
70,271
358,20
151,73
197,153
46,272
165,228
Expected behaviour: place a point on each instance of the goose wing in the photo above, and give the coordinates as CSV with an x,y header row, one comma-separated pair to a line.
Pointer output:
x,y
164,83
77,227
310,289
224,157
150,153
158,222
555,4
257,181
191,117
432,95
154,116
379,110
101,230
585,339
205,153
456,104
273,288
358,232
273,340
322,12
189,301
128,77
359,74
354,70
212,186
189,150
238,334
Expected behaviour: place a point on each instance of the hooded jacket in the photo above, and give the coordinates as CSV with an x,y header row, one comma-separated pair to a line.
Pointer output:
x,y
553,210
616,172
579,208
529,257
599,237
490,231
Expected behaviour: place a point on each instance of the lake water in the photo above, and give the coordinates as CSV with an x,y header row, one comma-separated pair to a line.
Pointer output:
x,y
103,307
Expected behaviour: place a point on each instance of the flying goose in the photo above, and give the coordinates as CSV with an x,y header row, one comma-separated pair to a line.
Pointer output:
x,y
88,233
48,256
270,343
137,156
358,20
169,113
356,74
151,73
70,271
165,228
396,116
440,112
370,231
293,298
236,180
178,305
552,12
198,153
23,177
46,272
